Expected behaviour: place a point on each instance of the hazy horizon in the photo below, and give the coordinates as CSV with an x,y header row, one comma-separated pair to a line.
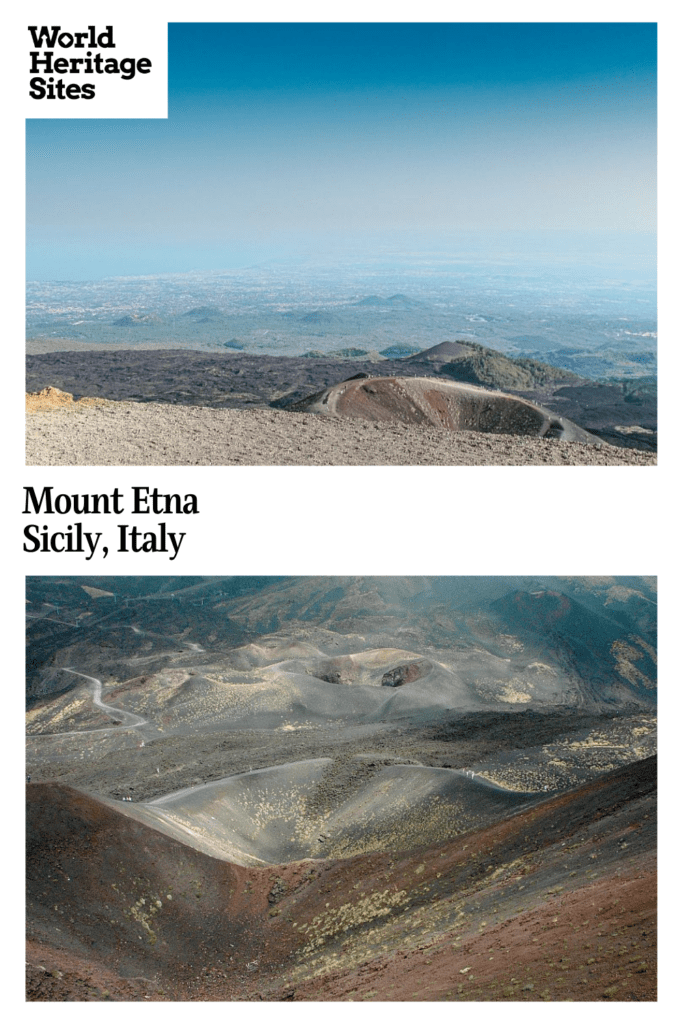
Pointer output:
x,y
288,141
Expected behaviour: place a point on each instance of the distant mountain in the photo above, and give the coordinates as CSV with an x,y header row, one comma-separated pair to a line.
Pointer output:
x,y
405,302
204,314
397,301
317,316
398,351
470,363
202,311
136,319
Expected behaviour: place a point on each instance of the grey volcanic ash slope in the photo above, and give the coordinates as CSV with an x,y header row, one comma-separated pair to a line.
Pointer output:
x,y
226,772
366,649
596,633
226,675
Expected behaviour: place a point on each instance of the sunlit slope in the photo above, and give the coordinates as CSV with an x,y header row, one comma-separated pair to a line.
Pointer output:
x,y
255,687
255,818
322,808
406,806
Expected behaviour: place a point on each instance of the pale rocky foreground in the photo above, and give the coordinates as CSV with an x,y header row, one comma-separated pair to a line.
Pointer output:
x,y
95,432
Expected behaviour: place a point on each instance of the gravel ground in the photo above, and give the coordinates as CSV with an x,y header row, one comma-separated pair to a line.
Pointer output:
x,y
150,434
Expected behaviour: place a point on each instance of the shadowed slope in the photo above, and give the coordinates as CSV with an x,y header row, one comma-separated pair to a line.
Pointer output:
x,y
104,886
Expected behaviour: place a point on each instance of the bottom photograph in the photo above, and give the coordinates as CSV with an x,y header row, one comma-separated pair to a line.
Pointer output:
x,y
341,788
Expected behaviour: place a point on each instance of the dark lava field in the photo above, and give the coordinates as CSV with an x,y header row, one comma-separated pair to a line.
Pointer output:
x,y
341,788
621,413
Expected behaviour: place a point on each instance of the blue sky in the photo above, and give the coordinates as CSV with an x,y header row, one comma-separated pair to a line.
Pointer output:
x,y
287,137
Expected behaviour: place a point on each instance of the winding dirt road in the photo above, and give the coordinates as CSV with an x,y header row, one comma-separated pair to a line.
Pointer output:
x,y
126,718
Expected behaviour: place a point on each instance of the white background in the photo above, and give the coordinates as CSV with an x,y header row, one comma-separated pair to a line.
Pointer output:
x,y
144,95
394,521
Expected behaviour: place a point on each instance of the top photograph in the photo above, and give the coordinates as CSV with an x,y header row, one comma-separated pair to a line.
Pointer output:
x,y
353,244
